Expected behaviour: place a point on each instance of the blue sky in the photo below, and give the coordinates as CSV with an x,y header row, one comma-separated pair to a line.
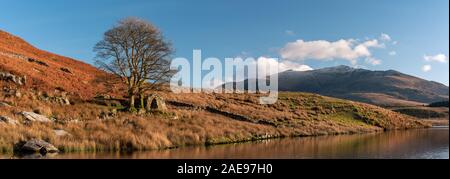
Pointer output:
x,y
230,28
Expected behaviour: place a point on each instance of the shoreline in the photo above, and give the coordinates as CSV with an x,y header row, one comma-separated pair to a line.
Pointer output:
x,y
225,143
231,118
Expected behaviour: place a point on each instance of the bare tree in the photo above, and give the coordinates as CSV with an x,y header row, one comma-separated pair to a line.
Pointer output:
x,y
136,52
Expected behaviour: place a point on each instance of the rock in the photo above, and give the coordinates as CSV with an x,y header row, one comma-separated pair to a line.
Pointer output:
x,y
33,117
107,115
61,133
66,101
8,120
12,78
38,62
63,100
11,93
35,146
18,94
155,103
4,104
59,100
65,70
103,96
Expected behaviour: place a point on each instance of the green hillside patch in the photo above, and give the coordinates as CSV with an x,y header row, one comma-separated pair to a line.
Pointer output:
x,y
347,119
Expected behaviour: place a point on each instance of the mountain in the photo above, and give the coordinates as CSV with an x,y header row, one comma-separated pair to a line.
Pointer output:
x,y
384,88
189,119
26,66
29,67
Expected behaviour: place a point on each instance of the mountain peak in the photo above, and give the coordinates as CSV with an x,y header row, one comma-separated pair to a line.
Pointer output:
x,y
377,87
339,69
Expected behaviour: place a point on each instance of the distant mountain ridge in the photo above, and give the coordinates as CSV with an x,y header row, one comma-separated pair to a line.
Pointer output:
x,y
384,88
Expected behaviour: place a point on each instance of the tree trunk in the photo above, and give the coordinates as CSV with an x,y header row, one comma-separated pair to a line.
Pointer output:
x,y
142,100
131,102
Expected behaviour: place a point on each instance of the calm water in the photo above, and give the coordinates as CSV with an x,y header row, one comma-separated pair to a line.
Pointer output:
x,y
416,144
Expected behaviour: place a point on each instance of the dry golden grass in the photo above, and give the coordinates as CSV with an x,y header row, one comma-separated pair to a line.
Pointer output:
x,y
296,114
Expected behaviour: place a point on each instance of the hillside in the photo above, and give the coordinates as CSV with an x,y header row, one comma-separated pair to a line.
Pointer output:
x,y
45,71
191,119
383,88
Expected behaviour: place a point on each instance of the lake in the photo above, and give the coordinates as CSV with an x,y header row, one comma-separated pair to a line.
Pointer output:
x,y
411,144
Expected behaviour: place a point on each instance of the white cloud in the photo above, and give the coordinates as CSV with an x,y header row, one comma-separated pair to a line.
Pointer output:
x,y
289,32
385,37
271,62
373,61
392,53
287,65
426,68
436,58
374,43
394,42
349,50
282,65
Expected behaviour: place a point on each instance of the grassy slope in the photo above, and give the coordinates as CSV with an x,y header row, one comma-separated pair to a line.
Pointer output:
x,y
296,114
438,116
83,80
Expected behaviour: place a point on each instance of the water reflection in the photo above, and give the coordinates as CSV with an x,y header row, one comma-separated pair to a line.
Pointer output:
x,y
427,143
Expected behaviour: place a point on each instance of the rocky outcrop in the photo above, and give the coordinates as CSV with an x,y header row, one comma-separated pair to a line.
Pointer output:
x,y
61,99
35,146
66,70
5,76
4,104
13,55
11,92
32,60
155,103
9,121
33,117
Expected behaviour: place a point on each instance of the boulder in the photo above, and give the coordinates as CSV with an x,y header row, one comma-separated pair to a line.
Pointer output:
x,y
62,100
155,103
33,117
12,78
35,146
11,93
8,120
